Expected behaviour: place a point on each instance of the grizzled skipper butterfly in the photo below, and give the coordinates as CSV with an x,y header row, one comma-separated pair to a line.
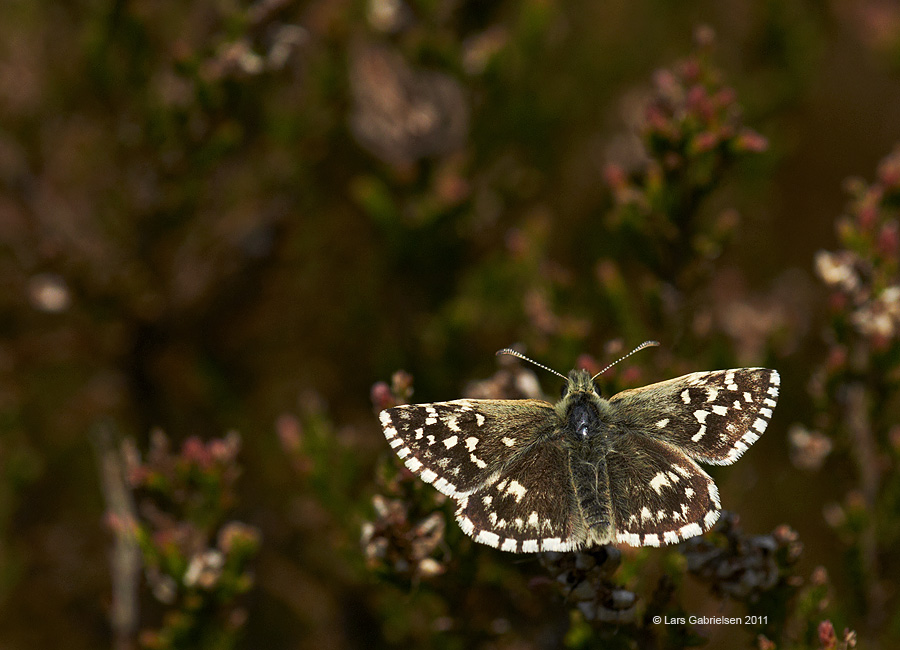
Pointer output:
x,y
532,476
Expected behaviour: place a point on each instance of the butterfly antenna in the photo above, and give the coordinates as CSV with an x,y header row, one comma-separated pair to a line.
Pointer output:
x,y
522,356
645,344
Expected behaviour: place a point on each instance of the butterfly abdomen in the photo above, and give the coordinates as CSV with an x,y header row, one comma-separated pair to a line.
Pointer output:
x,y
591,483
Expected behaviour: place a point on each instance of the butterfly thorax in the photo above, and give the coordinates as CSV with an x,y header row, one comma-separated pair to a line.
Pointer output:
x,y
581,407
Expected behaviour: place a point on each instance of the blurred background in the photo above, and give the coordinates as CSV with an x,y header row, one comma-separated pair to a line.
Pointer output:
x,y
231,232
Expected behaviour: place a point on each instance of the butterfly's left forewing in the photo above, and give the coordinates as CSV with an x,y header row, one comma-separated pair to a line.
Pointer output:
x,y
659,495
713,417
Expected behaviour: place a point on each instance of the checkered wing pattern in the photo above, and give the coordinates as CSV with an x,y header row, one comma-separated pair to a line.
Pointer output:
x,y
459,446
712,417
530,506
528,476
659,495
503,462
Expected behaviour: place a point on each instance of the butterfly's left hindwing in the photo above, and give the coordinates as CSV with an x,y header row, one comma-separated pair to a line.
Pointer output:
x,y
659,495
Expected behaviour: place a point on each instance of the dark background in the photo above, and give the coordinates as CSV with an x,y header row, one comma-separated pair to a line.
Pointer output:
x,y
225,216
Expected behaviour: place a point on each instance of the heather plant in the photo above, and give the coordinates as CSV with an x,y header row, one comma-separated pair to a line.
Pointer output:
x,y
172,509
855,388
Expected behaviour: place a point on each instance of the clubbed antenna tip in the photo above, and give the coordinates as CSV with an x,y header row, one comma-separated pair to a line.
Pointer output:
x,y
645,344
515,353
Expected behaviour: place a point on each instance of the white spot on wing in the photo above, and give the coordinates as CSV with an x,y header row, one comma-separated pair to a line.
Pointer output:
x,y
516,489
479,419
691,530
509,442
451,442
428,476
651,540
530,546
632,539
510,545
658,481
491,539
443,486
714,494
662,423
413,464
471,443
554,544
686,396
718,409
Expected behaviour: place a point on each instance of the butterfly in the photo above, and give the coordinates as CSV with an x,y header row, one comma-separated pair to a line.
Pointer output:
x,y
530,476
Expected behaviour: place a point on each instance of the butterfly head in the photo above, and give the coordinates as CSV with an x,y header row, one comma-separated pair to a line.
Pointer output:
x,y
579,381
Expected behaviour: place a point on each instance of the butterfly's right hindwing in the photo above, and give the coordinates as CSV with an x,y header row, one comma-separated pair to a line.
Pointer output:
x,y
457,446
531,506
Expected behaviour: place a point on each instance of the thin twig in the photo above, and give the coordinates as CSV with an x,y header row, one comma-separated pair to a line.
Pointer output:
x,y
865,454
125,558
